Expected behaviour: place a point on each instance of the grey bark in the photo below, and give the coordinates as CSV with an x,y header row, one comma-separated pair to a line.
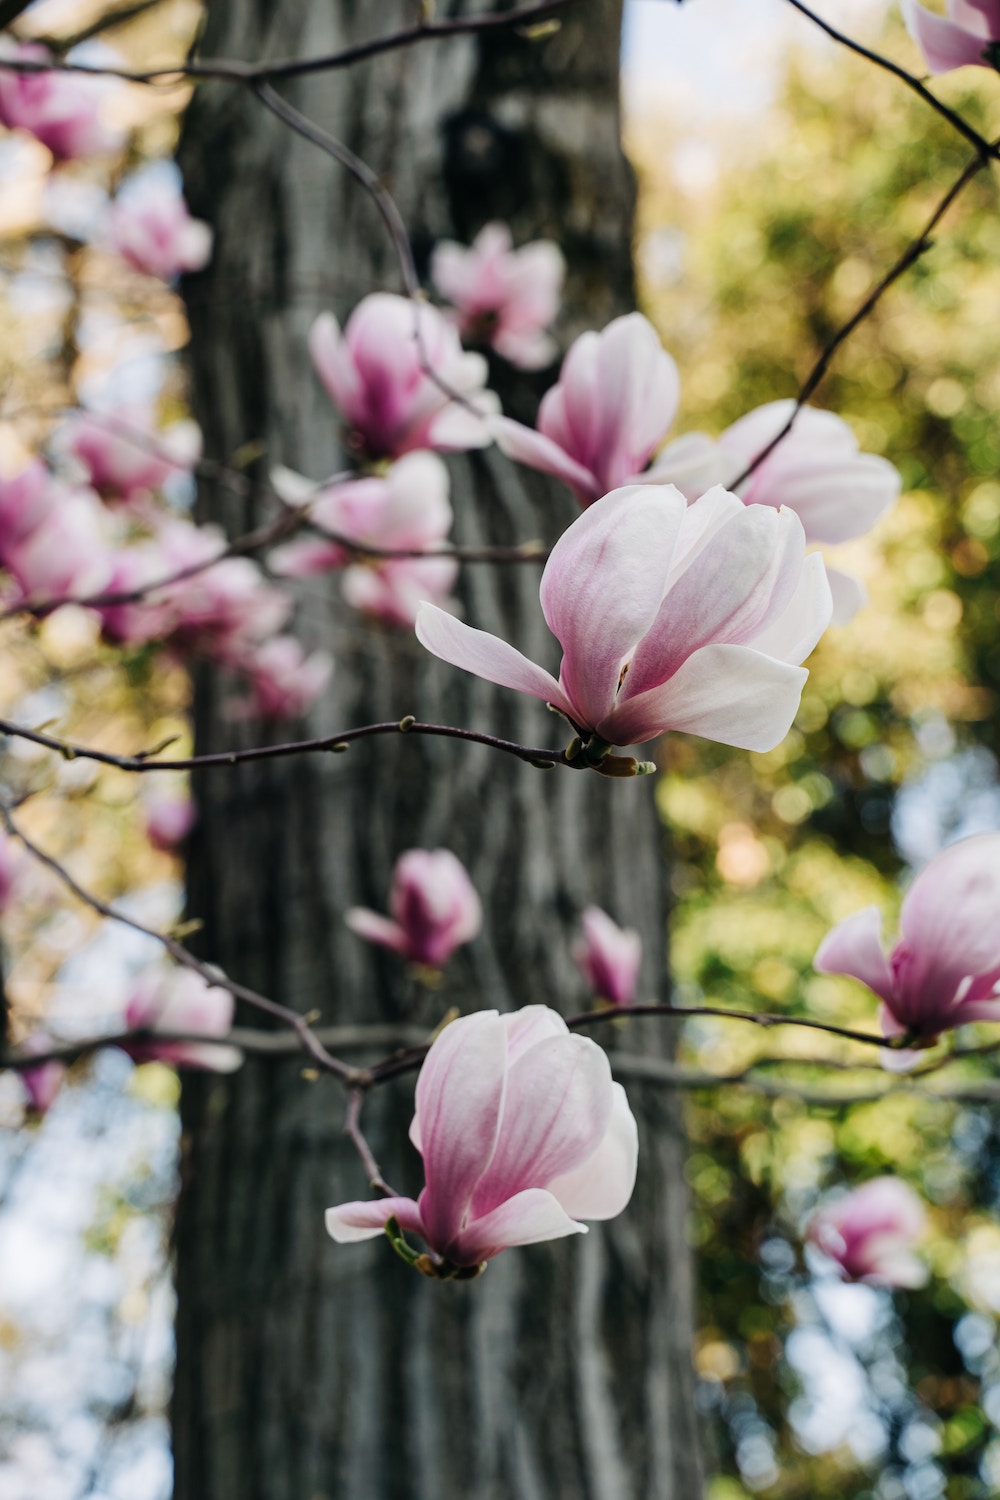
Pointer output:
x,y
308,1371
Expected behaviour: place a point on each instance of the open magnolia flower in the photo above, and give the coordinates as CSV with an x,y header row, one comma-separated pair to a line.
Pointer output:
x,y
609,957
434,906
503,297
870,1233
670,616
968,34
125,454
522,1132
611,407
63,110
945,969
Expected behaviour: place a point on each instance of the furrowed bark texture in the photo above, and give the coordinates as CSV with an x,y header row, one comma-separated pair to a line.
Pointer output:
x,y
309,1371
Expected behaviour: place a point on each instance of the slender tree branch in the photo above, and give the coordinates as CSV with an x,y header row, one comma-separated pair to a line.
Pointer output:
x,y
352,1128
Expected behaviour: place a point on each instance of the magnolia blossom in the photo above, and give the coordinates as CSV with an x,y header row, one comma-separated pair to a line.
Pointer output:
x,y
375,372
26,499
42,1083
405,509
150,227
609,957
945,968
283,681
56,545
179,1001
169,817
434,906
522,1134
125,454
615,399
968,35
816,470
870,1233
670,616
63,110
503,297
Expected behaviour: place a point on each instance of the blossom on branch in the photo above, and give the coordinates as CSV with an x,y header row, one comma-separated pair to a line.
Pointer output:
x,y
945,968
612,406
609,957
869,1233
670,616
63,110
180,1001
283,681
968,35
149,226
503,297
169,818
522,1134
53,539
125,454
400,379
434,906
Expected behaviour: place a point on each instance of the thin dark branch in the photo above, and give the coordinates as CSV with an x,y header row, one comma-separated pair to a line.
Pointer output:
x,y
352,1128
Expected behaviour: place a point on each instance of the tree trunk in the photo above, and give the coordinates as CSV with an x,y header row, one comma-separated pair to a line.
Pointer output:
x,y
306,1370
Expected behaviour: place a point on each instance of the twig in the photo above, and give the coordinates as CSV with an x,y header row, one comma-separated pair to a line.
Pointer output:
x,y
352,1128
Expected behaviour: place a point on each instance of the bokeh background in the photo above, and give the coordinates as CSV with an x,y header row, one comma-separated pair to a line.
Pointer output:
x,y
779,176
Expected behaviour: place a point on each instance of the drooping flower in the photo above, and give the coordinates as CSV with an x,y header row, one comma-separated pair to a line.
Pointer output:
x,y
522,1134
376,374
179,1001
967,35
609,957
125,454
670,616
870,1233
503,297
945,968
837,492
405,509
149,226
612,406
434,906
64,110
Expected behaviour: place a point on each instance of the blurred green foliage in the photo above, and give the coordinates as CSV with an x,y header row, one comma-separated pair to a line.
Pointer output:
x,y
808,210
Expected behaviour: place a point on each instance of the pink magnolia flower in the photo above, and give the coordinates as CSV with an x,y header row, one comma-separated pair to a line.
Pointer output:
x,y
170,817
870,1233
180,1001
945,969
614,401
522,1132
283,681
374,374
609,957
42,1084
670,616
434,906
26,499
62,110
67,555
968,35
406,508
503,297
150,227
124,454
816,470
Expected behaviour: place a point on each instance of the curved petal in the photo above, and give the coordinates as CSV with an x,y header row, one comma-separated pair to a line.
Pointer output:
x,y
350,1222
531,1024
793,636
487,656
731,694
847,593
836,498
602,1186
459,1101
544,454
950,926
602,587
525,1219
694,463
854,947
944,45
556,1113
333,363
375,928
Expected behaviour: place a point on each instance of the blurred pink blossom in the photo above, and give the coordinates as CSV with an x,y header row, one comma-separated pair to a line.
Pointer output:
x,y
945,968
170,817
26,499
670,616
283,681
609,957
150,228
870,1233
180,1001
125,454
67,553
522,1134
614,402
374,373
61,109
503,297
434,906
43,1083
967,34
